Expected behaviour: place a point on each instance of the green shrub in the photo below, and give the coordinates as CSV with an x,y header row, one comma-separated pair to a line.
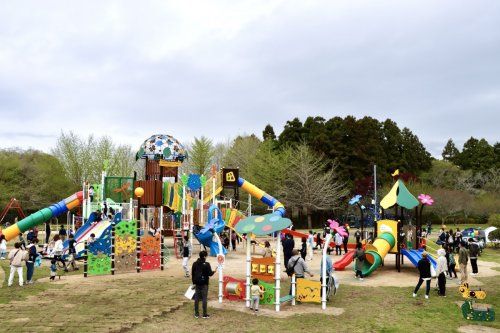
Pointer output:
x,y
494,220
495,234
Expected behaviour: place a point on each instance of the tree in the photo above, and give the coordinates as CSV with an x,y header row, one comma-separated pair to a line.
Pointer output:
x,y
448,203
477,155
312,185
201,156
450,151
85,159
36,179
268,133
242,152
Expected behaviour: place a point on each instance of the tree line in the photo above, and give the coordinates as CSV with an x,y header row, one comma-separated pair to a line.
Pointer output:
x,y
311,166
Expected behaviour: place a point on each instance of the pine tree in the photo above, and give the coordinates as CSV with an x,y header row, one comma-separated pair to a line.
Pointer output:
x,y
201,155
268,133
450,151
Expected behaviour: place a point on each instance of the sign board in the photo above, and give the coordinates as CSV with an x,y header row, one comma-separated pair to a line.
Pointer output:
x,y
230,177
263,269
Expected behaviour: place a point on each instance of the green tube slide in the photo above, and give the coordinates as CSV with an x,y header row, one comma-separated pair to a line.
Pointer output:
x,y
376,252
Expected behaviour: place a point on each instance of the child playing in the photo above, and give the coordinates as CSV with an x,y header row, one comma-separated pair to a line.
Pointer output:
x,y
255,293
91,239
3,247
186,254
53,270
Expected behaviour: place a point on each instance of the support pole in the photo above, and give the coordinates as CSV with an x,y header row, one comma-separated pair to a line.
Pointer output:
x,y
220,266
201,205
249,271
323,271
191,213
213,187
375,191
113,235
86,259
277,272
294,288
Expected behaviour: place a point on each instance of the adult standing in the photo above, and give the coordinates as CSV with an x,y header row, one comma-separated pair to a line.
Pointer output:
x,y
47,232
357,235
30,263
441,270
201,272
345,239
233,240
299,265
16,257
424,269
62,232
473,253
359,256
288,246
458,239
338,243
303,249
463,258
310,245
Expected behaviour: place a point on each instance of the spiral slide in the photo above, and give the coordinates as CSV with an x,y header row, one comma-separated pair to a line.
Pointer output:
x,y
43,215
205,235
376,252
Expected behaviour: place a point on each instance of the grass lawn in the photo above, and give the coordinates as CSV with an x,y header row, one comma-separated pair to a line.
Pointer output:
x,y
154,302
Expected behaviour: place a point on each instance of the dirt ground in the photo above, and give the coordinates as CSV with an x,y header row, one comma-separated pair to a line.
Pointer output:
x,y
382,277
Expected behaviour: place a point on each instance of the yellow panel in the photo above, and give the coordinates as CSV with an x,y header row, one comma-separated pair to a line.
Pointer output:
x,y
391,198
169,163
308,291
390,226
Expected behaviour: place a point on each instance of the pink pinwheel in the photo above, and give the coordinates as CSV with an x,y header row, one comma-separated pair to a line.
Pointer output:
x,y
334,225
426,199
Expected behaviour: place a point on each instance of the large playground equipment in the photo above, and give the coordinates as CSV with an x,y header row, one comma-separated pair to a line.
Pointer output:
x,y
43,215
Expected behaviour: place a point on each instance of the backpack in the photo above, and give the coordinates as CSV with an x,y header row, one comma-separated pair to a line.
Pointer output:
x,y
291,270
198,278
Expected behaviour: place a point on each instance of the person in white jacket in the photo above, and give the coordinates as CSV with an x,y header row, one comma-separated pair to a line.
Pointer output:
x,y
441,271
338,243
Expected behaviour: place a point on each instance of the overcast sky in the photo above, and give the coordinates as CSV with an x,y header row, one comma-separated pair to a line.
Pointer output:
x,y
130,69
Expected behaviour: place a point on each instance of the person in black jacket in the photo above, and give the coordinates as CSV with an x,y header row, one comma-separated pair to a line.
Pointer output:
x,y
288,246
30,263
303,249
424,268
201,272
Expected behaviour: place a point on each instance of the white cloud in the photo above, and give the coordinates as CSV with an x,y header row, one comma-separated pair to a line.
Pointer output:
x,y
221,68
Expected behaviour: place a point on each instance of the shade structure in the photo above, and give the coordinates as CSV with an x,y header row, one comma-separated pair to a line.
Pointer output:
x,y
400,195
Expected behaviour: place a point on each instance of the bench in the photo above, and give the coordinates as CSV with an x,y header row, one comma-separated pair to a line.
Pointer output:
x,y
287,298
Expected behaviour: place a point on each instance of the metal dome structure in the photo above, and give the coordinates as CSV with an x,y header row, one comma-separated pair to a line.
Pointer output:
x,y
162,147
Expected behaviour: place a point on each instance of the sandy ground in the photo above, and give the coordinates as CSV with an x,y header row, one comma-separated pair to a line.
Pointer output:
x,y
285,310
383,276
477,329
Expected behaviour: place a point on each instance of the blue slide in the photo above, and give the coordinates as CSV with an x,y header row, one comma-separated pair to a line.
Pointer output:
x,y
100,229
205,235
415,255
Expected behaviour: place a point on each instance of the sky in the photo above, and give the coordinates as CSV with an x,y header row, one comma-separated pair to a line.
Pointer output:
x,y
130,69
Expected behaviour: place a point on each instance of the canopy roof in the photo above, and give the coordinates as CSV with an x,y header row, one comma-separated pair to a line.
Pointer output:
x,y
162,147
400,195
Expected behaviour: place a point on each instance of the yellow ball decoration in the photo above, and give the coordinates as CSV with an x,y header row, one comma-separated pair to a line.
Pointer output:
x,y
139,192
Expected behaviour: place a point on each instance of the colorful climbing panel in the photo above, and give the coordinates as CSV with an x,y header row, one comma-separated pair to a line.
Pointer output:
x,y
99,255
268,296
150,255
125,246
308,291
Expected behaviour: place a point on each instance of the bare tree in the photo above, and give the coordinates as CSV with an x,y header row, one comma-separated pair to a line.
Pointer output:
x,y
310,184
85,159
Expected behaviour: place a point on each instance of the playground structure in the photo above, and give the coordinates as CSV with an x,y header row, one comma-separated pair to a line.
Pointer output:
x,y
12,204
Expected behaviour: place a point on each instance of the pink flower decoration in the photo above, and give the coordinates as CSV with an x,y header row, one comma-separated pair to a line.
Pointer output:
x,y
426,199
334,225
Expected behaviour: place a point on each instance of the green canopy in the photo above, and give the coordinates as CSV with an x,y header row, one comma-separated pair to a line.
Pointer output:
x,y
400,195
